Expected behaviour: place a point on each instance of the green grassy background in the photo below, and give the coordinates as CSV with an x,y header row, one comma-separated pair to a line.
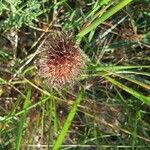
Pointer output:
x,y
109,105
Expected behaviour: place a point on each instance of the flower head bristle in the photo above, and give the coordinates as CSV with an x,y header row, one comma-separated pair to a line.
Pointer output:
x,y
61,60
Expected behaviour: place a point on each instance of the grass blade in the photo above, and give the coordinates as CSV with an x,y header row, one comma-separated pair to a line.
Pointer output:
x,y
117,68
146,86
101,19
136,94
68,122
22,121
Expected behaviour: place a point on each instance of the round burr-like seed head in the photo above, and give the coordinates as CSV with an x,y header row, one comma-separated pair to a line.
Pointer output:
x,y
61,61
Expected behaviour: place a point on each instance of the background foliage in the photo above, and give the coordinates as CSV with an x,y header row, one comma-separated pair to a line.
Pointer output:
x,y
108,107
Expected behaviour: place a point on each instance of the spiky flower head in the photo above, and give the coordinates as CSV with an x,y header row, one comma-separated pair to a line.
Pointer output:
x,y
61,60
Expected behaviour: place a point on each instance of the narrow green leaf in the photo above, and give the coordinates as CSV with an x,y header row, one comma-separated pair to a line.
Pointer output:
x,y
136,94
116,68
68,122
134,72
22,121
101,19
133,80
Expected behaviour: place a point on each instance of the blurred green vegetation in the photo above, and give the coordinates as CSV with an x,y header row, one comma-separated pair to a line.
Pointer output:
x,y
108,107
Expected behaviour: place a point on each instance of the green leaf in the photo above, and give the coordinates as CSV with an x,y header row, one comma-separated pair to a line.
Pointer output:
x,y
68,121
146,86
101,19
117,68
22,121
136,94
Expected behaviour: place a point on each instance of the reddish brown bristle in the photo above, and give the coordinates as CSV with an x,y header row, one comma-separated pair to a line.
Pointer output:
x,y
61,60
